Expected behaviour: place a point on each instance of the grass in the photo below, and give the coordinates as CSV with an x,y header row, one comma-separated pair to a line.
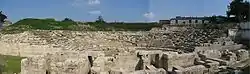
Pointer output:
x,y
123,26
52,24
12,64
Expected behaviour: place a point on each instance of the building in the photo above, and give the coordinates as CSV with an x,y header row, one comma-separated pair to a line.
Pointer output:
x,y
188,20
164,22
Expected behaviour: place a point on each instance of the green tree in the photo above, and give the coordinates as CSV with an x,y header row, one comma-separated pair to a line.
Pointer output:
x,y
239,9
2,17
67,19
100,20
213,19
217,19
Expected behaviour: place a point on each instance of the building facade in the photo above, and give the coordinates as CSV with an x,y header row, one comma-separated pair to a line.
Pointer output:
x,y
164,22
188,20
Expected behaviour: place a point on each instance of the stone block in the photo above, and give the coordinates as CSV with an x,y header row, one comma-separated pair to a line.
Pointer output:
x,y
186,59
57,63
242,54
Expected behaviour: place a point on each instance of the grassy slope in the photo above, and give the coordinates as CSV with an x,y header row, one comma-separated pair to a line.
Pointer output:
x,y
51,24
123,26
12,64
42,24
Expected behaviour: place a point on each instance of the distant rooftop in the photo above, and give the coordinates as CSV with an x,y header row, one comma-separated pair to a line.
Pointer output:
x,y
188,18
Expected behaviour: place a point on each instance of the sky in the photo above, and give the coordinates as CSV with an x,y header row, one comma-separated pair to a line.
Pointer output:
x,y
111,10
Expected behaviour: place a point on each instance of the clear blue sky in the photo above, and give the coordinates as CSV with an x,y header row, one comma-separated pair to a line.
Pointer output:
x,y
120,10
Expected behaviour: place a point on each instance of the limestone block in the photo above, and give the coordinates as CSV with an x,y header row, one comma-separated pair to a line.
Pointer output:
x,y
185,59
116,71
212,53
95,70
104,72
57,63
127,63
242,54
139,72
213,66
161,71
33,65
177,72
200,63
198,69
222,62
151,71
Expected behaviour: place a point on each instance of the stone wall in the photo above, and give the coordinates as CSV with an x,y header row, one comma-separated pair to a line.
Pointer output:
x,y
32,43
211,53
198,69
219,47
57,63
40,41
25,50
186,59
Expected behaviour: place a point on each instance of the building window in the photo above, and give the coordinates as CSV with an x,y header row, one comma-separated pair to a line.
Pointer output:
x,y
196,21
176,21
203,21
190,21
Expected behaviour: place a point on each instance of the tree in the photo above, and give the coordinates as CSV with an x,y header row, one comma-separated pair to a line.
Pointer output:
x,y
100,20
217,19
2,17
213,19
239,9
67,19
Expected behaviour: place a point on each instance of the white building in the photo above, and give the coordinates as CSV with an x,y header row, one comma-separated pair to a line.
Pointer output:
x,y
188,20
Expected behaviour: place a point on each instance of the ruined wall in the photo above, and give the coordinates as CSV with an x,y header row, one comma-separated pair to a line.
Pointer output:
x,y
126,64
38,42
198,69
186,59
219,47
211,53
242,54
25,50
57,63
34,65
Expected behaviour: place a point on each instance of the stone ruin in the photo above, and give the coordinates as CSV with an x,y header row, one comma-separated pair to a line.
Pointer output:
x,y
172,50
58,63
141,61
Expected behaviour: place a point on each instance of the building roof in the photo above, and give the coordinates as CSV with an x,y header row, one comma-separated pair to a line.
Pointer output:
x,y
188,18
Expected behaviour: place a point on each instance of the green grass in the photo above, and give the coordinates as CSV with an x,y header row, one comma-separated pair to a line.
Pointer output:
x,y
52,24
123,26
42,24
12,64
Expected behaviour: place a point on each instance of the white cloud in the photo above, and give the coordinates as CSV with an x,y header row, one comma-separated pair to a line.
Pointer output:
x,y
77,3
81,3
149,15
94,2
97,12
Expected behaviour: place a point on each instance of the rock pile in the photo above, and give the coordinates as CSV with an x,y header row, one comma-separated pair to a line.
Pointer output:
x,y
184,40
